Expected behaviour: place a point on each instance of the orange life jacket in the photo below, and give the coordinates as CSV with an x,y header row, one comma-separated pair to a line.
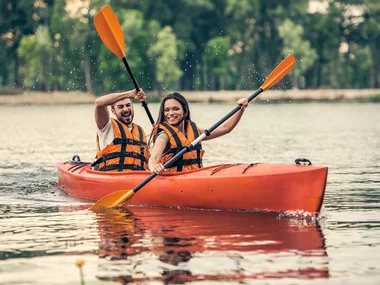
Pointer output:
x,y
128,151
177,141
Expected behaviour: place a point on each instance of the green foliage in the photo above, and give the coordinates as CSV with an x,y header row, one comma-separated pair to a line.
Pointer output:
x,y
35,51
31,53
190,44
164,53
292,36
216,58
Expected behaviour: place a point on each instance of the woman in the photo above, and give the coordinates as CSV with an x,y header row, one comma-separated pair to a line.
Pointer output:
x,y
175,130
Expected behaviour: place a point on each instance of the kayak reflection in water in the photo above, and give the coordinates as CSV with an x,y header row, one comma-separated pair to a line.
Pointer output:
x,y
175,130
177,246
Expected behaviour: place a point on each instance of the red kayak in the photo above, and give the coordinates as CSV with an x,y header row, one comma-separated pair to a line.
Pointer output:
x,y
253,187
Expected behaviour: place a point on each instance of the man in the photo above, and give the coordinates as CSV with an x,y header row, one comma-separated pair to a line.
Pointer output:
x,y
121,144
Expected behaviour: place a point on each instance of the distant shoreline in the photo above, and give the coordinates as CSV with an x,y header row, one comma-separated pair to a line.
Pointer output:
x,y
286,95
296,95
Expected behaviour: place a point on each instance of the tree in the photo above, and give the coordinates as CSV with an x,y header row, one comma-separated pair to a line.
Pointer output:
x,y
292,36
193,23
165,53
33,52
371,27
16,20
255,42
216,58
228,44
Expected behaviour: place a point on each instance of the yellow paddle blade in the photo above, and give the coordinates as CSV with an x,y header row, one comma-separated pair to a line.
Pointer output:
x,y
279,72
115,215
109,30
113,200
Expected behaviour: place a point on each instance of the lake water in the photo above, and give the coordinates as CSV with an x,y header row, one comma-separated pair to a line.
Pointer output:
x,y
43,232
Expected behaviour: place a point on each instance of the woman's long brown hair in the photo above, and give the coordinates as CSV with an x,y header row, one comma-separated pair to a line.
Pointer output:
x,y
161,115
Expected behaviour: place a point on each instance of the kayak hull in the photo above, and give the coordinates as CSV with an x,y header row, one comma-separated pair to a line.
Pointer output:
x,y
258,187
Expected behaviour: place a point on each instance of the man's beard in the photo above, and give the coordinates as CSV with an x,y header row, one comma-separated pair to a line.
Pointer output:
x,y
126,121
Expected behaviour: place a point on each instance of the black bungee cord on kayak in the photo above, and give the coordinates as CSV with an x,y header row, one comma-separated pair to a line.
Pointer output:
x,y
231,165
302,161
223,167
77,163
249,166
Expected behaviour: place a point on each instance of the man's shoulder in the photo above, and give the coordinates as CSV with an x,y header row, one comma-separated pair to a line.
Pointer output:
x,y
106,127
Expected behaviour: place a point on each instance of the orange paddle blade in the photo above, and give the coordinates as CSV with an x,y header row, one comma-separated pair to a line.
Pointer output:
x,y
109,30
279,72
113,200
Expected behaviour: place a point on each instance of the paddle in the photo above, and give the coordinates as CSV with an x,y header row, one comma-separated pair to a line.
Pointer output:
x,y
117,198
109,30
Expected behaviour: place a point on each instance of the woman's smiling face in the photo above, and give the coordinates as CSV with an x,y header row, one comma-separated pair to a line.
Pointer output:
x,y
173,112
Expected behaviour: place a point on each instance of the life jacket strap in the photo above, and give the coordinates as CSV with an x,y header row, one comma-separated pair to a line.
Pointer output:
x,y
178,149
117,167
128,141
184,162
117,155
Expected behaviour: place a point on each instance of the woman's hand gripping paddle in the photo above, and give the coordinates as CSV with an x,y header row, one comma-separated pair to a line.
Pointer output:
x,y
117,198
109,30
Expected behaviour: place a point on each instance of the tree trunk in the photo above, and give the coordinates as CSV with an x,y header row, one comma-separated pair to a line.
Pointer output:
x,y
376,73
55,74
87,73
242,67
45,70
202,75
211,81
373,82
295,82
5,78
314,80
334,68
16,81
188,68
159,89
346,70
222,83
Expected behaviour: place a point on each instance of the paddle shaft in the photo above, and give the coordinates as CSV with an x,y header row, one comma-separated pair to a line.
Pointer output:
x,y
197,140
144,104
